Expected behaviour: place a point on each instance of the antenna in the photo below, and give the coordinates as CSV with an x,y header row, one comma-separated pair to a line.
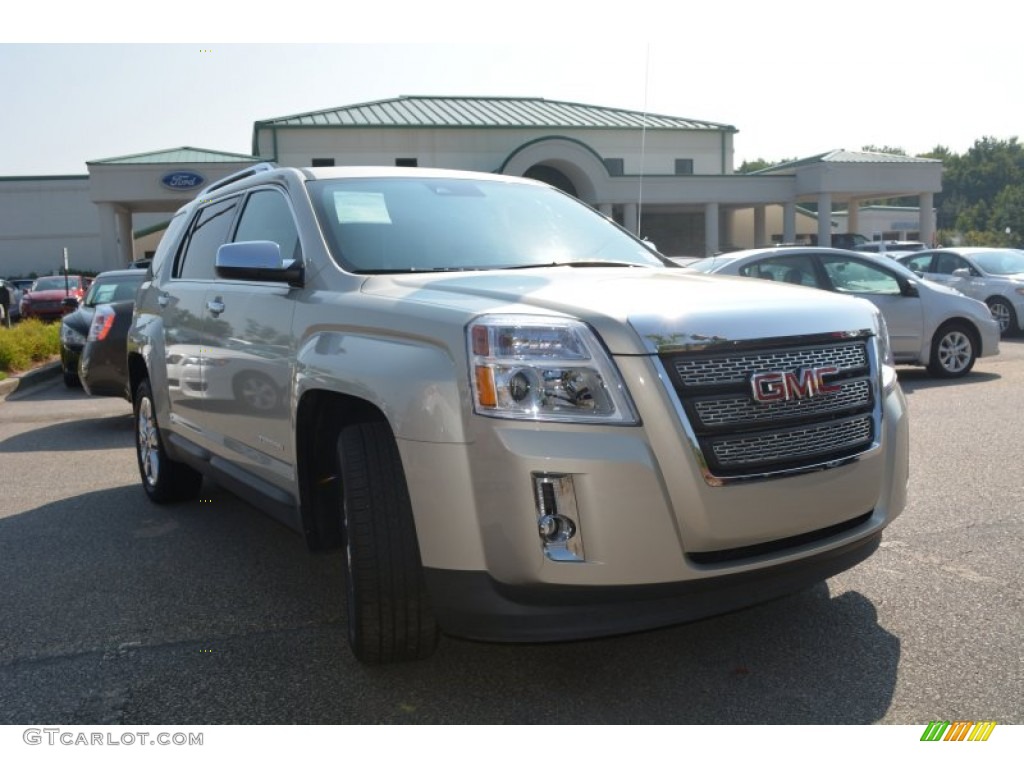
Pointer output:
x,y
643,147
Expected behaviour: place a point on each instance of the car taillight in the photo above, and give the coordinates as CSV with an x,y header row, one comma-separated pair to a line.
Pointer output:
x,y
102,322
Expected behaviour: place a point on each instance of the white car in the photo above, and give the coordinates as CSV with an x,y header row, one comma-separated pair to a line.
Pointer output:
x,y
992,275
929,324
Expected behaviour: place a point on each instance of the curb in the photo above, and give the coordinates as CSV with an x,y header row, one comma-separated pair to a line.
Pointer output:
x,y
22,381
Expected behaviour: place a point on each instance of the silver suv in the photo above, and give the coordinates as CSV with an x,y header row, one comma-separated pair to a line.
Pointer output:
x,y
519,422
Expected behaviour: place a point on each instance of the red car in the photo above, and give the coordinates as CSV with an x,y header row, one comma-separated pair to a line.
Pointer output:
x,y
45,299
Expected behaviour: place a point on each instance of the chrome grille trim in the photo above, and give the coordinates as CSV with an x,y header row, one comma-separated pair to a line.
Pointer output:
x,y
821,440
742,410
740,440
736,368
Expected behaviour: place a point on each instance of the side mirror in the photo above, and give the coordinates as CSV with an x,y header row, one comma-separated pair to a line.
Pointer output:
x,y
258,260
910,289
963,272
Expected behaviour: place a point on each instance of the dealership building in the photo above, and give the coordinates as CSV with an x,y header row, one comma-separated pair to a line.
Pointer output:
x,y
669,179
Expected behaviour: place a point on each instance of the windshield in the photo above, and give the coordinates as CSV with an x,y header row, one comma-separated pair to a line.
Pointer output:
x,y
1006,262
424,224
106,290
55,283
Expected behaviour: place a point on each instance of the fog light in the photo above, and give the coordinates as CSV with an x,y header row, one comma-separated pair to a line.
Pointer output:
x,y
558,522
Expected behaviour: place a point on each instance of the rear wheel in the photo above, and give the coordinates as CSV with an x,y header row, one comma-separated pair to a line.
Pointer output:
x,y
1002,312
163,479
389,616
954,351
71,380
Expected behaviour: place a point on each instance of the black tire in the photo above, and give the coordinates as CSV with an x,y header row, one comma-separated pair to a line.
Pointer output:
x,y
954,350
71,380
1004,314
389,616
164,480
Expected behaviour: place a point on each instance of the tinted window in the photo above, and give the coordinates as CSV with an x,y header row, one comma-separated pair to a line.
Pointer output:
x,y
208,233
266,216
946,263
798,270
918,263
852,276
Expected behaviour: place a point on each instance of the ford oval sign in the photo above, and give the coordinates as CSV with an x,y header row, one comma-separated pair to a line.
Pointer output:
x,y
182,181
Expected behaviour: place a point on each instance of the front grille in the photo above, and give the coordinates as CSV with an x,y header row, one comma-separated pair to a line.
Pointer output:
x,y
739,435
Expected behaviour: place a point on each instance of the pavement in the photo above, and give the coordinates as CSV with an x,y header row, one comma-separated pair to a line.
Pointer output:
x,y
22,381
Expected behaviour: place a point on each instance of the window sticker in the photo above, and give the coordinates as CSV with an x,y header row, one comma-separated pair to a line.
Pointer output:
x,y
361,208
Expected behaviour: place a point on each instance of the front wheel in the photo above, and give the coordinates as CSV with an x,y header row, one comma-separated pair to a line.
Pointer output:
x,y
163,479
389,615
954,351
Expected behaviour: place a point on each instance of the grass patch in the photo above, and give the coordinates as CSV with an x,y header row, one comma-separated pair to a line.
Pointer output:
x,y
27,343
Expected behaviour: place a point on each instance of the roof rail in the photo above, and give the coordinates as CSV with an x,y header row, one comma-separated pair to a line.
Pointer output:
x,y
245,173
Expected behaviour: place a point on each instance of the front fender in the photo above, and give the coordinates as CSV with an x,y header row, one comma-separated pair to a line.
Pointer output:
x,y
418,385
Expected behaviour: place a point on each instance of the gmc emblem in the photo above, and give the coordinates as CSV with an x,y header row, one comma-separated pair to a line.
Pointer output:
x,y
789,385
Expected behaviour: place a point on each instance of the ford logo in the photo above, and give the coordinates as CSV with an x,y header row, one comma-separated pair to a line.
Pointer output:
x,y
181,181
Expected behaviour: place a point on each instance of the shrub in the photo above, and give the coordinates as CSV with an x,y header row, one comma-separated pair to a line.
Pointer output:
x,y
28,342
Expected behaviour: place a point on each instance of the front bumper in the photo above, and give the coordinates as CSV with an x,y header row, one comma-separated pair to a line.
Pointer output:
x,y
473,605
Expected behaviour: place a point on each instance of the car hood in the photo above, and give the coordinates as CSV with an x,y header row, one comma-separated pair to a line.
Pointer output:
x,y
52,295
639,310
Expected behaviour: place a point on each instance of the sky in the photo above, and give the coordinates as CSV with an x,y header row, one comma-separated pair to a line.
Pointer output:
x,y
94,80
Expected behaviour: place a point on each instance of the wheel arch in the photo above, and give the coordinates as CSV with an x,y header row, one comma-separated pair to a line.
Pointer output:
x,y
319,417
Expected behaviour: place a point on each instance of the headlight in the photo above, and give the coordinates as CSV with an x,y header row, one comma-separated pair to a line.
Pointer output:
x,y
544,369
69,335
887,363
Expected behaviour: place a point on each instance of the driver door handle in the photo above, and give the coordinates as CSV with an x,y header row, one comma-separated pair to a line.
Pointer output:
x,y
216,306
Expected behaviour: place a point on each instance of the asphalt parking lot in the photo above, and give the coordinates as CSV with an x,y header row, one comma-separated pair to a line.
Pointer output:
x,y
115,611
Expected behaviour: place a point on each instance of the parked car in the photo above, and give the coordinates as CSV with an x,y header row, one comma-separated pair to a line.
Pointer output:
x,y
477,375
103,364
116,285
18,287
10,296
45,299
929,324
992,275
891,248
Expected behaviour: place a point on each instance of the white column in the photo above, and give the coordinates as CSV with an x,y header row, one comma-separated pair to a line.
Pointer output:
x,y
760,236
824,219
710,229
108,236
925,222
631,217
125,243
607,209
789,222
853,216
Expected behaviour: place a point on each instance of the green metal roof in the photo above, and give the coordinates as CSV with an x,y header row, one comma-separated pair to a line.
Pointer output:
x,y
842,156
483,112
177,156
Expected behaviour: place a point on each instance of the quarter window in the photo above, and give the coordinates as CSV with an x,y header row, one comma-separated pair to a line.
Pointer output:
x,y
209,232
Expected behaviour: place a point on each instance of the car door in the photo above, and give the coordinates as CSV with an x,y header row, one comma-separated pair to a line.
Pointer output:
x,y
969,283
185,316
250,349
887,290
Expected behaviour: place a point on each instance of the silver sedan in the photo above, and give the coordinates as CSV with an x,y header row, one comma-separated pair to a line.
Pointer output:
x,y
929,324
992,275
